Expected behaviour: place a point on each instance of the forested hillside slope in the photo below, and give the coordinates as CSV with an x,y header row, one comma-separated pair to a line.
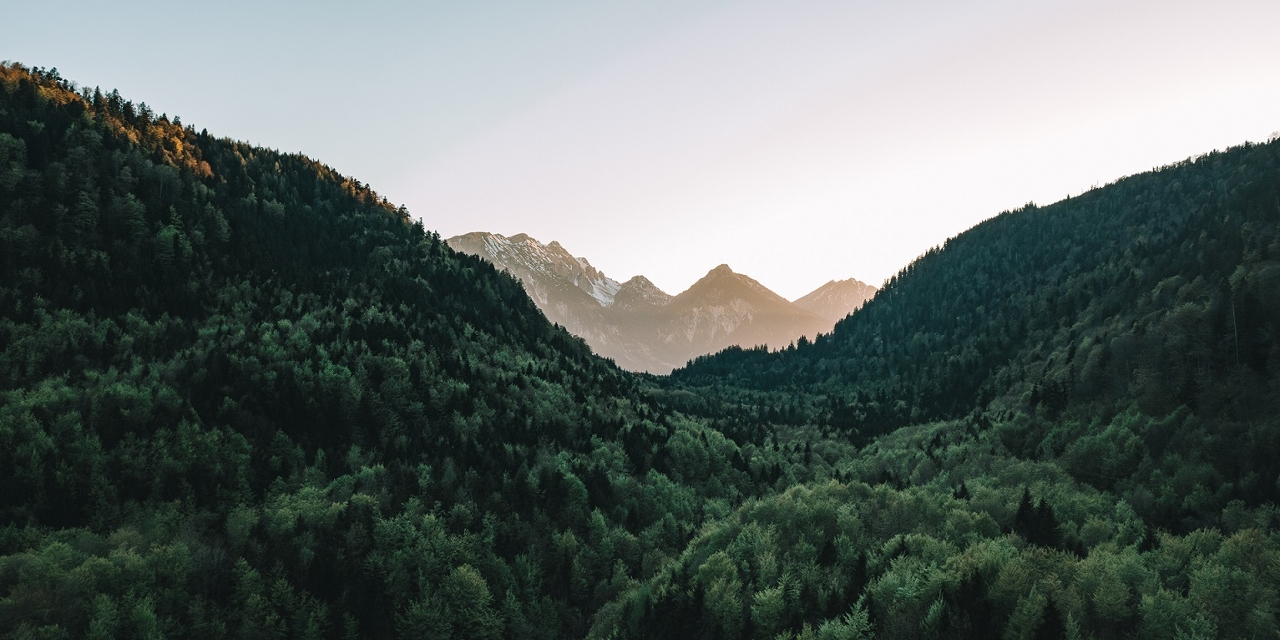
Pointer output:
x,y
1082,409
1161,289
242,396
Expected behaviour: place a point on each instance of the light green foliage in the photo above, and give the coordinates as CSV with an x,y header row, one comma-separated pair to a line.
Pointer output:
x,y
854,625
718,578
769,611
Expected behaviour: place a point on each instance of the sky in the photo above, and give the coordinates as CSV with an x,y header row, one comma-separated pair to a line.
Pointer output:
x,y
798,141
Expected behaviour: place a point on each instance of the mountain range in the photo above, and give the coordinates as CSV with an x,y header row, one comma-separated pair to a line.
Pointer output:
x,y
641,327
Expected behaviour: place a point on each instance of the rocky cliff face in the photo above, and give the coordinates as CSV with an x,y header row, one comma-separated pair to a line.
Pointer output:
x,y
546,269
642,327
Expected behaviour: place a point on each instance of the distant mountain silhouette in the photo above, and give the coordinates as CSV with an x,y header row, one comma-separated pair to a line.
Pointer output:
x,y
643,328
726,308
836,299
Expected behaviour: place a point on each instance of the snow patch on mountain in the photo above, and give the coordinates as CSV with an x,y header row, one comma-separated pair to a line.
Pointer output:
x,y
546,263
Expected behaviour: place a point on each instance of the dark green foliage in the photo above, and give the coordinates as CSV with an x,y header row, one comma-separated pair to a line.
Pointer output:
x,y
243,396
1137,292
1084,353
1036,522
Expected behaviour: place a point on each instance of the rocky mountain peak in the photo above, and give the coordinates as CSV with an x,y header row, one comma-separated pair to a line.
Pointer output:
x,y
541,267
837,298
639,291
639,325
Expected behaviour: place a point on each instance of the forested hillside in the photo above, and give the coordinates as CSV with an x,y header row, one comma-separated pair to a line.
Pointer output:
x,y
1162,289
1096,389
242,395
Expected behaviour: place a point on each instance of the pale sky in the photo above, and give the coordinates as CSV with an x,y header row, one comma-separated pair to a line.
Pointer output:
x,y
797,141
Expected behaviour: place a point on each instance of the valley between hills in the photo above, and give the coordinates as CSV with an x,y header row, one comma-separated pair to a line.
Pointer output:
x,y
641,327
242,395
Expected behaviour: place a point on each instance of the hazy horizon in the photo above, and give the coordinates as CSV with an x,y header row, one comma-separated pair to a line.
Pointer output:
x,y
798,142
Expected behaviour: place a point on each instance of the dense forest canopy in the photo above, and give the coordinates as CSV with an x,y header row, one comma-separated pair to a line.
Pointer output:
x,y
242,395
